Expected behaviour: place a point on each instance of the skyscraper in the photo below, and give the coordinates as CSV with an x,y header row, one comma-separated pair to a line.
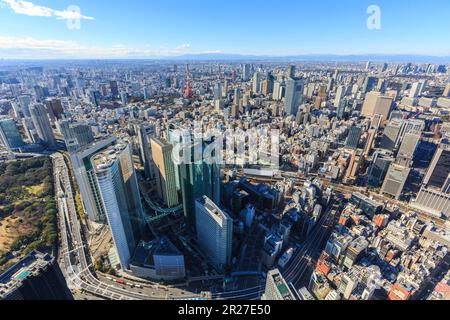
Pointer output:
x,y
293,98
378,169
147,92
87,182
395,180
391,134
340,93
114,88
408,148
417,88
144,133
195,177
166,186
55,109
76,134
434,196
256,83
42,124
218,91
9,134
118,189
447,91
36,276
354,135
25,102
375,103
214,232
245,72
439,170
290,73
341,108
276,287
369,84
124,98
236,102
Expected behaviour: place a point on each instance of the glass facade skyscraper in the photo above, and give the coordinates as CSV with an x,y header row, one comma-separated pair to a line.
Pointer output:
x,y
196,178
9,134
119,192
294,92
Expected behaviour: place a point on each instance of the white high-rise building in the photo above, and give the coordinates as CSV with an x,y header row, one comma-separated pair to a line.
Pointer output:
x,y
256,84
214,232
276,287
119,191
340,93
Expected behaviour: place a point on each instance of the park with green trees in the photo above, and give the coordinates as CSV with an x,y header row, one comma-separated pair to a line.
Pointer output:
x,y
28,209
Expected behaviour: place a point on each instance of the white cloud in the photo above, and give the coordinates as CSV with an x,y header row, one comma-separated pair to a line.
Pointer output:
x,y
17,47
31,9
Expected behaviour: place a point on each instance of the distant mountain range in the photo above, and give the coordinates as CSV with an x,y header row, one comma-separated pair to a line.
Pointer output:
x,y
400,58
312,58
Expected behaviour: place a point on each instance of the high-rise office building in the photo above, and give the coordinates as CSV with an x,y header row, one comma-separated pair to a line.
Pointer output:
x,y
279,90
237,97
235,110
36,276
369,84
214,232
147,92
195,177
9,134
378,169
340,93
354,135
277,287
434,196
256,83
408,148
166,185
375,103
30,130
86,180
218,91
447,91
290,73
438,173
395,180
144,134
119,191
124,98
42,125
294,93
114,88
55,109
25,103
341,108
391,134
417,89
245,72
76,134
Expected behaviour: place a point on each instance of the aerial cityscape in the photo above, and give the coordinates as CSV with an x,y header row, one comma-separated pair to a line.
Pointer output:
x,y
223,170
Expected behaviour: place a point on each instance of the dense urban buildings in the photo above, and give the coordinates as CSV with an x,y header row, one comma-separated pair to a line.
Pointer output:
x,y
239,179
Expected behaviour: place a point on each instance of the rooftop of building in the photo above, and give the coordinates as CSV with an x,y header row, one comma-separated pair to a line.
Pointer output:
x,y
30,265
281,285
212,207
106,158
145,251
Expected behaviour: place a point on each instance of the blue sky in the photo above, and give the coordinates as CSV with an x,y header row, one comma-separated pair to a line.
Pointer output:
x,y
145,28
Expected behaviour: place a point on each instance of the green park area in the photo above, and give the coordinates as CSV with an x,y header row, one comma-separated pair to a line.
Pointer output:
x,y
27,209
